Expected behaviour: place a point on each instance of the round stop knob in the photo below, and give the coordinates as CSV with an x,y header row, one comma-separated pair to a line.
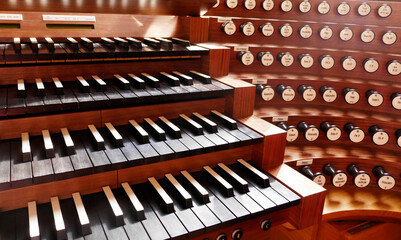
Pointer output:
x,y
292,131
245,57
360,178
311,132
286,59
228,28
396,100
348,63
379,136
374,98
328,93
222,236
265,92
306,60
333,133
384,179
248,29
398,136
265,225
355,134
316,177
393,67
265,58
286,92
351,96
237,234
326,61
338,178
266,29
308,93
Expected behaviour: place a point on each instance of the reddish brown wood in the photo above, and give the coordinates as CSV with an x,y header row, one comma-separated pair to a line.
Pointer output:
x,y
219,60
199,29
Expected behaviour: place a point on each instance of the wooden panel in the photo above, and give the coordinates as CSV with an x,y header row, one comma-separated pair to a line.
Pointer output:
x,y
309,211
313,15
195,163
120,116
103,70
12,128
270,153
219,60
199,30
162,7
242,102
18,198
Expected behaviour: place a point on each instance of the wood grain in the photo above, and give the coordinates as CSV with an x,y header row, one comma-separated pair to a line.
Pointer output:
x,y
198,29
218,63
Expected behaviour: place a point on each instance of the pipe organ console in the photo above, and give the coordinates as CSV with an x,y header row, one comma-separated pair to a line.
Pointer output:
x,y
227,119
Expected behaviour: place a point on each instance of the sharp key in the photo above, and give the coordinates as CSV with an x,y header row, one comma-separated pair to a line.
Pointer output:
x,y
179,189
58,86
83,84
184,78
199,189
34,44
58,219
21,90
87,43
118,213
223,184
34,232
69,144
152,81
117,138
200,76
26,147
108,43
172,80
191,124
138,208
170,127
82,215
236,179
121,42
157,131
98,139
122,82
40,87
138,82
73,43
134,42
182,42
205,122
17,45
165,43
139,132
152,43
100,84
48,144
167,202
49,44
260,177
228,122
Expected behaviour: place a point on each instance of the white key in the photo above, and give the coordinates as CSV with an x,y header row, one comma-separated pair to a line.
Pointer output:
x,y
228,189
139,210
98,80
237,180
99,141
184,195
26,147
57,83
117,138
58,219
21,91
139,132
34,232
69,144
82,215
72,40
39,84
48,144
261,177
118,213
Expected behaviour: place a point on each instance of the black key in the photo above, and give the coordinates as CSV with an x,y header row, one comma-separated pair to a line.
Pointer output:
x,y
185,79
21,90
117,213
136,81
154,129
139,132
191,124
165,200
225,187
5,167
137,206
152,43
83,218
40,87
121,42
99,83
108,43
152,81
21,172
122,82
228,122
96,137
26,147
49,44
172,80
42,168
73,44
200,191
17,45
58,220
115,135
205,122
61,162
170,127
182,42
234,178
201,77
165,43
34,44
83,84
80,160
87,43
260,177
68,143
134,42
182,194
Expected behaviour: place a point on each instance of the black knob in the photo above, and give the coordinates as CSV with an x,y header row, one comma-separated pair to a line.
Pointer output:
x,y
393,67
292,132
311,133
305,59
396,100
360,178
338,178
379,136
247,28
285,30
348,63
265,225
265,92
222,236
266,29
374,98
328,94
370,65
326,61
286,92
308,93
333,133
245,57
398,136
355,134
316,177
228,28
237,234
266,58
351,96
285,58
384,179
